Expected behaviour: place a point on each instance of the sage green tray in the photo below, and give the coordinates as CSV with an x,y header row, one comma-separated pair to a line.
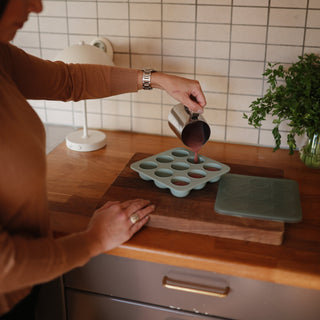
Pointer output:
x,y
259,198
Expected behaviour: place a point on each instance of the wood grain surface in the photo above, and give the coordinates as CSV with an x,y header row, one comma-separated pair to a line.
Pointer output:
x,y
77,181
195,212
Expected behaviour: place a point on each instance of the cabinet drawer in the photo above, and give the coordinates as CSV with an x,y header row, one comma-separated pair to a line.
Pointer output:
x,y
191,290
84,306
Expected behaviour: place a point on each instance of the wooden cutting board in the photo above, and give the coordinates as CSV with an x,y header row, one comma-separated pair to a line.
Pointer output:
x,y
195,212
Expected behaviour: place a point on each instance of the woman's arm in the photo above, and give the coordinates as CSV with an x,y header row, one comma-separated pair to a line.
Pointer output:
x,y
26,261
42,79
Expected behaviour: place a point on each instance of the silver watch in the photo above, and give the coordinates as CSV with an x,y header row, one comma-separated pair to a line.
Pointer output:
x,y
146,79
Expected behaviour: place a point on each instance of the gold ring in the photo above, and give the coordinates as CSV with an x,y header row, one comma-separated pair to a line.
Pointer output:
x,y
134,218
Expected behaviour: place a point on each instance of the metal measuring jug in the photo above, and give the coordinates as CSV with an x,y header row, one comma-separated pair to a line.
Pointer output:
x,y
190,127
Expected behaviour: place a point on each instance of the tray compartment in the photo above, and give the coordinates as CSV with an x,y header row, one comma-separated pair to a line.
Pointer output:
x,y
177,170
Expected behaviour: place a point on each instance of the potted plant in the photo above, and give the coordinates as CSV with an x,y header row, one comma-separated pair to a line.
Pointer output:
x,y
293,96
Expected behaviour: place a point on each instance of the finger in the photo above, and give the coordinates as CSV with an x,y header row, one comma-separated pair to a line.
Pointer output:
x,y
136,206
140,214
138,225
194,106
128,203
201,99
198,96
196,101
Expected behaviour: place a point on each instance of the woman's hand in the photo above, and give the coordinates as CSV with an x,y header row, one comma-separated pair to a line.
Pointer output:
x,y
111,225
184,90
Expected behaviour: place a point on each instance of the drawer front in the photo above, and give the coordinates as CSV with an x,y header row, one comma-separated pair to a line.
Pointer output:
x,y
196,291
86,306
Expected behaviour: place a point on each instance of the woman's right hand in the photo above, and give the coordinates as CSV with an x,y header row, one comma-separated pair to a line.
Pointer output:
x,y
111,225
186,91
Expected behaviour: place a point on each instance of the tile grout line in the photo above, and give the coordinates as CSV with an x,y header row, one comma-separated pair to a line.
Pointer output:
x,y
161,98
67,19
305,27
265,62
41,55
229,67
130,64
195,40
98,35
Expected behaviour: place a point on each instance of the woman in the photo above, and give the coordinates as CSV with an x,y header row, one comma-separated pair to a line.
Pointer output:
x,y
29,255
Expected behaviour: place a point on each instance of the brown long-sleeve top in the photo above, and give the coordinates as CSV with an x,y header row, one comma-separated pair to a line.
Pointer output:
x,y
29,254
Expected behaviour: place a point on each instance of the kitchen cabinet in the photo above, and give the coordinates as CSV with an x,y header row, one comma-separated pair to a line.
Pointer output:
x,y
87,306
259,281
121,288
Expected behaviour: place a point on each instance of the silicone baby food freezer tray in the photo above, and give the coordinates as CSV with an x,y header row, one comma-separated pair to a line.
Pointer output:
x,y
259,198
176,170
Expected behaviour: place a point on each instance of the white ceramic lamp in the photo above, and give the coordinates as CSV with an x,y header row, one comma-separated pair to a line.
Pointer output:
x,y
99,51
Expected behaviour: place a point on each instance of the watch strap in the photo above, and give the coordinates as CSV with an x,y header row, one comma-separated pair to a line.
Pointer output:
x,y
146,79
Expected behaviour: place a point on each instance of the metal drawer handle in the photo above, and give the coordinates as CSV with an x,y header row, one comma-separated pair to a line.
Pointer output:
x,y
195,288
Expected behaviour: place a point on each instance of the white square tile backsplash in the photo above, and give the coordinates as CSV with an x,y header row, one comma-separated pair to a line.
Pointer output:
x,y
82,26
79,9
178,12
114,10
250,16
289,3
214,14
225,44
248,34
287,17
145,11
314,4
178,30
247,51
313,19
289,36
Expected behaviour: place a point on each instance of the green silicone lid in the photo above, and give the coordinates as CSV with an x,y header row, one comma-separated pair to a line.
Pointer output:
x,y
259,198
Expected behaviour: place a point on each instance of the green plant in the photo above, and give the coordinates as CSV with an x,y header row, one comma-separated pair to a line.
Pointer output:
x,y
293,96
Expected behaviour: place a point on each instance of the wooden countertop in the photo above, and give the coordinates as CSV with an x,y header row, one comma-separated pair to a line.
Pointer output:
x,y
77,181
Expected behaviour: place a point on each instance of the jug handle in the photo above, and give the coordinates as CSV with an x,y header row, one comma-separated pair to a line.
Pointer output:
x,y
193,116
